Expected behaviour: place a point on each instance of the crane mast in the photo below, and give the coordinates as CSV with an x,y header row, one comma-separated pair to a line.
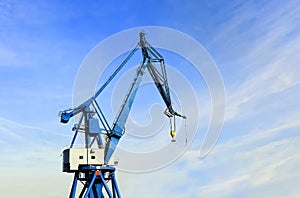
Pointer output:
x,y
94,166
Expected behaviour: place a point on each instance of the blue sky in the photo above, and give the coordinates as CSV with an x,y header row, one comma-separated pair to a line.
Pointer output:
x,y
255,45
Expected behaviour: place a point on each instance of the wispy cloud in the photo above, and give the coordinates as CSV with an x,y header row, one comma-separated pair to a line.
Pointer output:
x,y
247,166
263,47
32,154
21,143
270,59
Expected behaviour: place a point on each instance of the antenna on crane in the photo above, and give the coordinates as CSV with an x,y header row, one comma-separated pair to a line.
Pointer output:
x,y
94,166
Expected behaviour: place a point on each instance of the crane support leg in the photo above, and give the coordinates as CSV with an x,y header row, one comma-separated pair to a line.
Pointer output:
x,y
74,186
115,186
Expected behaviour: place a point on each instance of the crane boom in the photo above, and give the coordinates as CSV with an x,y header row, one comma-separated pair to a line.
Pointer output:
x,y
119,124
150,55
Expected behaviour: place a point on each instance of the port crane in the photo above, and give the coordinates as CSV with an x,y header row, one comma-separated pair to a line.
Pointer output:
x,y
94,165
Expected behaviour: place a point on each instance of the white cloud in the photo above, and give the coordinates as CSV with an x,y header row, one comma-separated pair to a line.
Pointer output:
x,y
263,163
247,166
270,60
24,144
31,162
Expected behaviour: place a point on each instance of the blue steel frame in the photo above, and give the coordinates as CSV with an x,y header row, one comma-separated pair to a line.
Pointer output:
x,y
95,179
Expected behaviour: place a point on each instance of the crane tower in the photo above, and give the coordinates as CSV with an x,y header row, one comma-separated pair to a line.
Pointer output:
x,y
93,165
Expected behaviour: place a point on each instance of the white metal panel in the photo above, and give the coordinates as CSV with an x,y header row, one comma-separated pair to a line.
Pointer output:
x,y
74,157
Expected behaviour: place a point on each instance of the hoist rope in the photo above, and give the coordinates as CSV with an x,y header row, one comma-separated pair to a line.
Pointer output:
x,y
186,138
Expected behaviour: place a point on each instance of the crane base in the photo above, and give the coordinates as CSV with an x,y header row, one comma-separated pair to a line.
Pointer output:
x,y
95,180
